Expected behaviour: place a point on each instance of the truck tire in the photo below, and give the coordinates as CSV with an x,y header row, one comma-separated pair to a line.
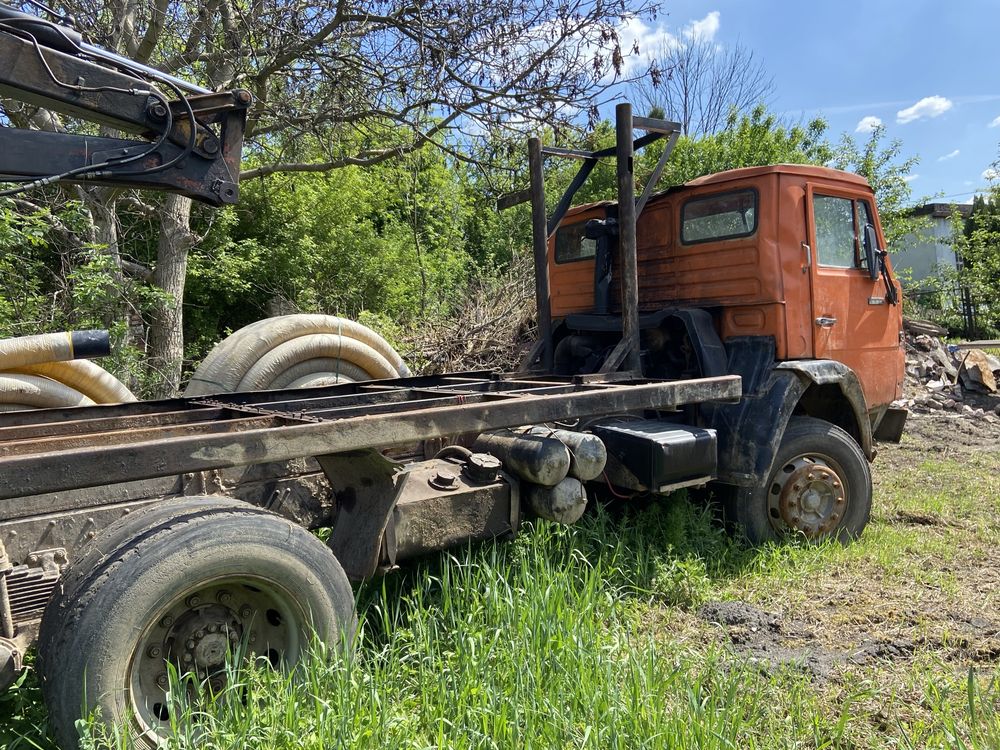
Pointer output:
x,y
105,547
820,487
187,589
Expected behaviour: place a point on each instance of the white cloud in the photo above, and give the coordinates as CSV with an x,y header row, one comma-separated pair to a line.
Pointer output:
x,y
995,123
951,155
705,29
642,43
910,177
867,124
929,106
990,174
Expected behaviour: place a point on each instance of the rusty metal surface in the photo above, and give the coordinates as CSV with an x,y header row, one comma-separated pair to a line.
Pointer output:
x,y
428,517
292,424
6,614
295,489
365,482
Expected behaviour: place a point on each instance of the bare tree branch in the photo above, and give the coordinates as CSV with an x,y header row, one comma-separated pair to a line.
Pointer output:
x,y
700,84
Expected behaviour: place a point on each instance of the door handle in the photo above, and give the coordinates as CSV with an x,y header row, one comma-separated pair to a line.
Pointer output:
x,y
824,322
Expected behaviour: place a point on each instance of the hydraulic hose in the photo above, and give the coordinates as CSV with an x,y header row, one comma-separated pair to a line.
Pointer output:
x,y
320,379
302,348
88,378
4,408
328,366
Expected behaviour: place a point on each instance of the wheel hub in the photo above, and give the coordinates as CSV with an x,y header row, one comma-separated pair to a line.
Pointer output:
x,y
202,638
807,496
197,634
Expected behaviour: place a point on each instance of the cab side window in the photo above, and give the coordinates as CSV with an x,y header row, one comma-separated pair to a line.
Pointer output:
x,y
572,244
836,232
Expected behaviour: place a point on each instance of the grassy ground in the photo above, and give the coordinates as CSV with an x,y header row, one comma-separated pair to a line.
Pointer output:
x,y
651,629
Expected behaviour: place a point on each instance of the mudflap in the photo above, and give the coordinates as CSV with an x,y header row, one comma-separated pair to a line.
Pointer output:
x,y
890,427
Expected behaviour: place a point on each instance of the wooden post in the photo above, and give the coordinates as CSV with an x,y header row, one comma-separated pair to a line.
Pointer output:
x,y
626,235
540,245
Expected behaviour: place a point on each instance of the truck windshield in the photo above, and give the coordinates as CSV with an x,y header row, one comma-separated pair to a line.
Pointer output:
x,y
719,217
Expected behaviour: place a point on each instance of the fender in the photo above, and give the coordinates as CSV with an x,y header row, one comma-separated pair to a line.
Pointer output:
x,y
831,372
749,432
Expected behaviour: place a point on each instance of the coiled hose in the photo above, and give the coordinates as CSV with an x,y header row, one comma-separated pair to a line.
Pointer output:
x,y
46,371
293,351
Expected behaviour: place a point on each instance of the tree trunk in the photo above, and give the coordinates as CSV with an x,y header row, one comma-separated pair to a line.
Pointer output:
x,y
166,334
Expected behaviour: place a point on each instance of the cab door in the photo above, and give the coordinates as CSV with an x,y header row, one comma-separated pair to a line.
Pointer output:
x,y
854,320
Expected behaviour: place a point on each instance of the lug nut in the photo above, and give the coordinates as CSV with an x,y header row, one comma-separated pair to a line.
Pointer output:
x,y
153,651
245,612
188,658
199,634
166,622
213,628
190,645
224,597
161,680
193,601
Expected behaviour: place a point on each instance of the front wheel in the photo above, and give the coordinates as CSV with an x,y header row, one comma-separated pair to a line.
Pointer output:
x,y
184,594
820,487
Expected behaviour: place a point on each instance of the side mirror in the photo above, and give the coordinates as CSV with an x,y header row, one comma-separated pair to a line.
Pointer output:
x,y
872,253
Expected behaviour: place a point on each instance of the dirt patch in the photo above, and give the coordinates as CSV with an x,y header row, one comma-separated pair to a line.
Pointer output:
x,y
769,640
921,590
777,642
946,434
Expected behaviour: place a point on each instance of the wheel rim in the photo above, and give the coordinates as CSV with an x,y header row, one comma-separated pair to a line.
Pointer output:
x,y
195,633
808,495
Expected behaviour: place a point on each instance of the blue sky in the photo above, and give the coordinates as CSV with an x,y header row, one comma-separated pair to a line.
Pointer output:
x,y
930,71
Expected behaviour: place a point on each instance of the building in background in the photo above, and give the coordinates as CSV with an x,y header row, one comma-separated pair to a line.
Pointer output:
x,y
925,255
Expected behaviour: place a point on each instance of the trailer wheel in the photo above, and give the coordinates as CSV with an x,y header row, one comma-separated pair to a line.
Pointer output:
x,y
820,487
185,591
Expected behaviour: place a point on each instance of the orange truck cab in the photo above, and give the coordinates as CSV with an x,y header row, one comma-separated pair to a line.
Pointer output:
x,y
777,274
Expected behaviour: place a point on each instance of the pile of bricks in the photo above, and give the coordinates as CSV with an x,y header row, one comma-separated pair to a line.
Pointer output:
x,y
943,376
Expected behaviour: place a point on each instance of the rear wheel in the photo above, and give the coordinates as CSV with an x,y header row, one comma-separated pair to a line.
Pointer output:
x,y
820,487
184,592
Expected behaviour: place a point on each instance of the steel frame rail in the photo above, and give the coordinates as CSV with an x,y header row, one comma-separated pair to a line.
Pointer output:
x,y
62,449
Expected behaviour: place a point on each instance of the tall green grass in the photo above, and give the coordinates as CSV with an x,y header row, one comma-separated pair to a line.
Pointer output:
x,y
557,640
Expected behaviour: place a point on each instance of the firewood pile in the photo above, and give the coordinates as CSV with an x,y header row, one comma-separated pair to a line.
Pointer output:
x,y
950,377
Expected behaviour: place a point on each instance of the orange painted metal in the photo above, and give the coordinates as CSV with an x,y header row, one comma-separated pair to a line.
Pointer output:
x,y
766,284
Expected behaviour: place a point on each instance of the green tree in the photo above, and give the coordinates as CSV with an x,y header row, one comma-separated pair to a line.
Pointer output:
x,y
886,170
386,241
977,243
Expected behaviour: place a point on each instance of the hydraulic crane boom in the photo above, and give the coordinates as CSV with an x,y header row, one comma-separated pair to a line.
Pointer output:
x,y
188,139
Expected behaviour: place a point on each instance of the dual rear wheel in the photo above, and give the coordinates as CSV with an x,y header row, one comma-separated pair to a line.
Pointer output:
x,y
181,587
